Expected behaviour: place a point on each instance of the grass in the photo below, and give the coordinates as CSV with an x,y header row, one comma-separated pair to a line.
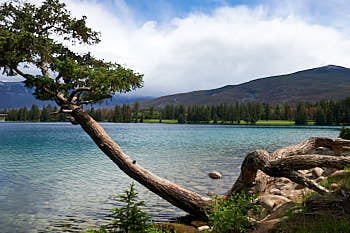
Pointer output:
x,y
261,122
275,122
265,122
157,121
314,224
2,118
330,180
344,181
323,214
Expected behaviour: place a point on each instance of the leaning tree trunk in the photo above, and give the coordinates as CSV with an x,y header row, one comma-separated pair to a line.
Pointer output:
x,y
180,197
258,166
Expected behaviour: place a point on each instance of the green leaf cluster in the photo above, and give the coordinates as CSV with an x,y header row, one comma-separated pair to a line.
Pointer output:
x,y
36,43
231,215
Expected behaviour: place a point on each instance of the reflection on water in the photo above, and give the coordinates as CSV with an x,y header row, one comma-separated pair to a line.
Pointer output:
x,y
54,178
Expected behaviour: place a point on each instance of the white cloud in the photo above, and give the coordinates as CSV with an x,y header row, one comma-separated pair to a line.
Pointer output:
x,y
203,51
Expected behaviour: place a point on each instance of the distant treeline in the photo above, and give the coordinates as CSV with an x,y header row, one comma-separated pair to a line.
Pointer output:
x,y
46,114
322,113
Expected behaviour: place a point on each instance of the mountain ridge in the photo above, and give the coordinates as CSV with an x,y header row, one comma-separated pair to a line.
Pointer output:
x,y
326,82
16,95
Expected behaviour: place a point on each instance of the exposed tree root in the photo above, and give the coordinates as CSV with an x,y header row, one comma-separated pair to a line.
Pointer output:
x,y
286,162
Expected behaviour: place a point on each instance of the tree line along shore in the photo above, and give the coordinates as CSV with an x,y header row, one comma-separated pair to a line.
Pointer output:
x,y
325,112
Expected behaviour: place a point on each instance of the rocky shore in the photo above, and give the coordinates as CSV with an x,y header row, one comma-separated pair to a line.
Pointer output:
x,y
280,197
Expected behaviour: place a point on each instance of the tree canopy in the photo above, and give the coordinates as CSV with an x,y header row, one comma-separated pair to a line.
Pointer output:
x,y
40,38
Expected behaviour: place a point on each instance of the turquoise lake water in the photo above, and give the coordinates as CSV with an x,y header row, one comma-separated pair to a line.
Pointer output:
x,y
53,178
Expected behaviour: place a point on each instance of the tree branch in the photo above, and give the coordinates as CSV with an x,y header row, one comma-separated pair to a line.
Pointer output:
x,y
85,102
303,180
44,68
58,77
286,162
18,71
61,99
338,145
93,101
78,91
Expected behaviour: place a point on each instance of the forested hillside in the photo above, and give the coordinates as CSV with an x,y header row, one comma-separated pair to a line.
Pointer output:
x,y
327,82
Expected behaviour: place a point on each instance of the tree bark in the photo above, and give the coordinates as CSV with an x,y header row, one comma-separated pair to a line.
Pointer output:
x,y
258,166
285,162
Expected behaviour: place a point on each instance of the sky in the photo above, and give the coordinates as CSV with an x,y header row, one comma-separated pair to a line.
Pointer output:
x,y
187,45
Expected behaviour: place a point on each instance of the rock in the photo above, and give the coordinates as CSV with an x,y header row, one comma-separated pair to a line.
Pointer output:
x,y
214,175
317,172
270,201
333,186
176,227
203,228
294,195
275,191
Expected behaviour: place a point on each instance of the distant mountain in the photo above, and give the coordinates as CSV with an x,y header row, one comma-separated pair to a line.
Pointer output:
x,y
15,95
327,82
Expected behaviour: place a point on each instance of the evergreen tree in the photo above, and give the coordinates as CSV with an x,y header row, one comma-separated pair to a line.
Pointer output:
x,y
117,114
151,112
136,111
237,113
23,114
141,118
34,113
320,118
181,118
267,112
215,118
287,112
277,114
301,116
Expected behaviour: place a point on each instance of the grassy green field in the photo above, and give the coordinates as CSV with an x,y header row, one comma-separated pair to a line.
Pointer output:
x,y
261,122
270,122
2,118
275,122
157,121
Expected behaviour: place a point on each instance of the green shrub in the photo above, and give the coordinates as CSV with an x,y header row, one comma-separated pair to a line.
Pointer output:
x,y
129,218
345,133
231,215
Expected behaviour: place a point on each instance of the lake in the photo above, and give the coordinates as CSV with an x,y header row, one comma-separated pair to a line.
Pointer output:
x,y
53,178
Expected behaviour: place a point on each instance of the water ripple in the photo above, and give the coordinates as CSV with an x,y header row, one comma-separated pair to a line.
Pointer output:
x,y
53,178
